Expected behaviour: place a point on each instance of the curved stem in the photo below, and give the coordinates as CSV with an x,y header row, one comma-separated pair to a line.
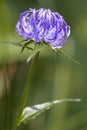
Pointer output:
x,y
26,91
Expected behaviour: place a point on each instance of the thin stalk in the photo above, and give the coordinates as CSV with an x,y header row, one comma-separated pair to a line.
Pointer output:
x,y
26,91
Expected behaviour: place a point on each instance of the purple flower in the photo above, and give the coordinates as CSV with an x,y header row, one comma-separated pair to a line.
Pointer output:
x,y
43,25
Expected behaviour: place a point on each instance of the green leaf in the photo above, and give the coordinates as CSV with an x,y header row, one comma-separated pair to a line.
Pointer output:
x,y
35,51
31,112
25,45
67,56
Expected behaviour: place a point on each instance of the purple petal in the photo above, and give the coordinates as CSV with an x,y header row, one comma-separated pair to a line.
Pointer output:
x,y
43,25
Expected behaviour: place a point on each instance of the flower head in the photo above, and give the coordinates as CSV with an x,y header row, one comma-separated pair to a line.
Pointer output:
x,y
43,25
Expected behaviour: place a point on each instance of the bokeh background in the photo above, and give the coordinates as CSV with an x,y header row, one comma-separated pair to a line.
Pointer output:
x,y
55,76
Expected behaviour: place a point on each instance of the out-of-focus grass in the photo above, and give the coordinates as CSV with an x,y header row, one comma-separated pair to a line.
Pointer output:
x,y
55,76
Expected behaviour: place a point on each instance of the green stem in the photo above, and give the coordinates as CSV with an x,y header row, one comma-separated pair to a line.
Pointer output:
x,y
26,91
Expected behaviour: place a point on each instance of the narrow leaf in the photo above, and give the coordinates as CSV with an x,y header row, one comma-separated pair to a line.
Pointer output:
x,y
25,45
33,54
67,56
14,43
26,41
31,112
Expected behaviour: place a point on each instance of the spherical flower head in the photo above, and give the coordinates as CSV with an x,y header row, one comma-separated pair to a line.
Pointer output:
x,y
43,25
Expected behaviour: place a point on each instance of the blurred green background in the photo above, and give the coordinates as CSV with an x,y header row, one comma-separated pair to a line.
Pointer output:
x,y
55,76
